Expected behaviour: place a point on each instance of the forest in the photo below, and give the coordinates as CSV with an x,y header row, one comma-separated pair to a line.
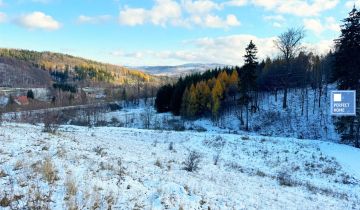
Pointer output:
x,y
210,93
82,69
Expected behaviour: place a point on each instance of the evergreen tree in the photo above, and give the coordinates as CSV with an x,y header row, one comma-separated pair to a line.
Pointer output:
x,y
163,98
185,103
347,71
248,78
30,94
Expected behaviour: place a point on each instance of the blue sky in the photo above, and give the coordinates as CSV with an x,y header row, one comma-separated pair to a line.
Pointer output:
x,y
166,32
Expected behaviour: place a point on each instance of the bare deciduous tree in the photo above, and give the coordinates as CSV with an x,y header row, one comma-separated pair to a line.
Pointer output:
x,y
289,44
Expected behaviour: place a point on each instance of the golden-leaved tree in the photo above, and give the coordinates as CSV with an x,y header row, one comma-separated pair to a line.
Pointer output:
x,y
216,96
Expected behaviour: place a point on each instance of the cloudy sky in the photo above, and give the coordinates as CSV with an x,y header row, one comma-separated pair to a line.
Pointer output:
x,y
166,32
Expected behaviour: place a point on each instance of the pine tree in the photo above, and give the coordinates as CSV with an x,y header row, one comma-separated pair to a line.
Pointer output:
x,y
185,103
30,94
163,98
248,78
347,72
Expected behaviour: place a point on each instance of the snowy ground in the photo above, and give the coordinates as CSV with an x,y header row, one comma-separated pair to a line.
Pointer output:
x,y
129,168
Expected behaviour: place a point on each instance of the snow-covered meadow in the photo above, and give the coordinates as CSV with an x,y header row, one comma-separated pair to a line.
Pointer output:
x,y
127,168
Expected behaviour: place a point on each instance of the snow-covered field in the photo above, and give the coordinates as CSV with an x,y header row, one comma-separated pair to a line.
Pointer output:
x,y
127,168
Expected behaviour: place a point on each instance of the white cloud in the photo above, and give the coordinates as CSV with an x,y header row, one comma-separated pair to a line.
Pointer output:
x,y
318,27
231,20
132,17
199,6
3,17
303,8
226,50
322,47
351,3
83,19
314,25
187,13
332,25
237,3
214,21
163,12
38,20
277,20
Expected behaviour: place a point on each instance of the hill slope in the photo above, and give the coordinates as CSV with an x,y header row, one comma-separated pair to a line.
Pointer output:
x,y
135,169
22,74
94,71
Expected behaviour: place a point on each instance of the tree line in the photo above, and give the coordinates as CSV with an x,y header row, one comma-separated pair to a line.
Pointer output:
x,y
209,93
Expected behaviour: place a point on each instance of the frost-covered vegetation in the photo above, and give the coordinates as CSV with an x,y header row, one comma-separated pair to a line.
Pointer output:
x,y
82,168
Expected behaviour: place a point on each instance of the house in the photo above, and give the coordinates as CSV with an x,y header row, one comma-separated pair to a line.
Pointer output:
x,y
21,100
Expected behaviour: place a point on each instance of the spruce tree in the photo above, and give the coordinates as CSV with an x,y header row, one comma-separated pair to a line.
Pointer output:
x,y
347,72
248,78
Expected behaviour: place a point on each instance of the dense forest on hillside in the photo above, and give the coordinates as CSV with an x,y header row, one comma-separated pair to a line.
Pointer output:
x,y
81,68
213,92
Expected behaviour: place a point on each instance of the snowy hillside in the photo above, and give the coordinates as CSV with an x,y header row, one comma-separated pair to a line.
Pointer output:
x,y
141,169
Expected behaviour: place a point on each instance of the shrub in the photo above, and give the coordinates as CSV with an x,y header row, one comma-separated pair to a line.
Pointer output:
x,y
5,202
329,171
121,171
100,151
285,179
192,162
115,121
49,171
171,146
216,159
51,122
158,163
38,199
71,188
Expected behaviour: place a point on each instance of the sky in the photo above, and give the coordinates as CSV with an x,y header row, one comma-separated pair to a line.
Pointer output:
x,y
167,32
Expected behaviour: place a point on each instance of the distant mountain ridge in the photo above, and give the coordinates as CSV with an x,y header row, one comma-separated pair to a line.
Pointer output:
x,y
179,69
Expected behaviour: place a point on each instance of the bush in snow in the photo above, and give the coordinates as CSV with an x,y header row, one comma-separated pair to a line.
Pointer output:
x,y
192,162
171,146
51,122
216,159
285,179
49,172
121,171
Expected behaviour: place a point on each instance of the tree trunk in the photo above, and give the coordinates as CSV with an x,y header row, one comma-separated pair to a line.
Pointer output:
x,y
307,104
302,101
247,117
320,94
285,98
